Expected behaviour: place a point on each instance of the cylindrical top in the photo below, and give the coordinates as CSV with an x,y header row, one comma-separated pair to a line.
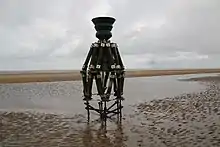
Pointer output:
x,y
103,26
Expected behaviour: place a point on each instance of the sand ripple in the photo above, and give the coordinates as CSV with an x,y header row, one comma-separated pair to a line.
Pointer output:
x,y
186,120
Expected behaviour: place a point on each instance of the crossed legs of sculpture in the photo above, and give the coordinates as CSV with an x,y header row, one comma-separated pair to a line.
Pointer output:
x,y
107,69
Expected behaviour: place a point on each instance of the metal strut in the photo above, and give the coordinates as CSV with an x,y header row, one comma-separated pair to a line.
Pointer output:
x,y
104,65
107,69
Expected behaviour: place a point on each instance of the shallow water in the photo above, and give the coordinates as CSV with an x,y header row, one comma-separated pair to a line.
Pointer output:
x,y
66,96
70,129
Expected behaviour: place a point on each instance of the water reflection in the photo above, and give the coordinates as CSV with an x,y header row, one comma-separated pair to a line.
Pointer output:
x,y
29,129
100,133
104,133
66,97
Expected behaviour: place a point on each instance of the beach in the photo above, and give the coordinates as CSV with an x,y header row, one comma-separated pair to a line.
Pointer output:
x,y
160,111
74,75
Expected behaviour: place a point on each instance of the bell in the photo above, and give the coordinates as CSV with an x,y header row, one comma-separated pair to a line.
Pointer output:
x,y
103,26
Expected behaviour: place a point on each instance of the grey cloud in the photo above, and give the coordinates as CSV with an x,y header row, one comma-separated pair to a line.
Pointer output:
x,y
57,31
189,25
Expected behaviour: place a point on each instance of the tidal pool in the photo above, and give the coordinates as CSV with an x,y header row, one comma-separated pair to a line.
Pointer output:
x,y
53,114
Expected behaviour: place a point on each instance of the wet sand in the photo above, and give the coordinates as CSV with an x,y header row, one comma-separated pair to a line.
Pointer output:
x,y
74,75
159,111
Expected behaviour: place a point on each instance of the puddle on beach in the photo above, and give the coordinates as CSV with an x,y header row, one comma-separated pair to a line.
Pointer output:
x,y
55,113
67,96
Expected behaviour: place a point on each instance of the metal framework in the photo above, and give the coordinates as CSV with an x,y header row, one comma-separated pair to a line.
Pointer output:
x,y
104,65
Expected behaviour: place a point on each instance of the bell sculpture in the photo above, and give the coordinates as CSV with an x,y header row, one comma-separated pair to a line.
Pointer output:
x,y
103,65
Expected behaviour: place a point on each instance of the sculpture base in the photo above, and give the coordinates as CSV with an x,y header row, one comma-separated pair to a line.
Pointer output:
x,y
105,110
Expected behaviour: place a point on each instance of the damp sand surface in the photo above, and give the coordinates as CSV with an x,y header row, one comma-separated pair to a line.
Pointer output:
x,y
74,75
158,111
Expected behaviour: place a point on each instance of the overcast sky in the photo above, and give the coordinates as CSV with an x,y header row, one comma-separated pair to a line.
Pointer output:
x,y
57,34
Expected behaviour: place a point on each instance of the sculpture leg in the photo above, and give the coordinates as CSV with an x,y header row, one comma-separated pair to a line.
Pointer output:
x,y
106,78
119,94
84,68
120,76
112,77
99,85
119,73
111,66
115,87
98,74
122,72
84,77
88,94
114,52
88,113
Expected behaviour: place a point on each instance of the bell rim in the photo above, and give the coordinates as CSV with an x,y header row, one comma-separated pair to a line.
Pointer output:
x,y
100,18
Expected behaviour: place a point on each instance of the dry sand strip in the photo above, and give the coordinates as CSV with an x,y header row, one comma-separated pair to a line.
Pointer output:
x,y
74,75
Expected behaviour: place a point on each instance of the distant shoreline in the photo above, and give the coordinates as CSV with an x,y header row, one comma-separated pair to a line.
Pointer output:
x,y
74,75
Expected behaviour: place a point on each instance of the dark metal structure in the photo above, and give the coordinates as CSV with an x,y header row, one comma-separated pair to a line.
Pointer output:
x,y
104,65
